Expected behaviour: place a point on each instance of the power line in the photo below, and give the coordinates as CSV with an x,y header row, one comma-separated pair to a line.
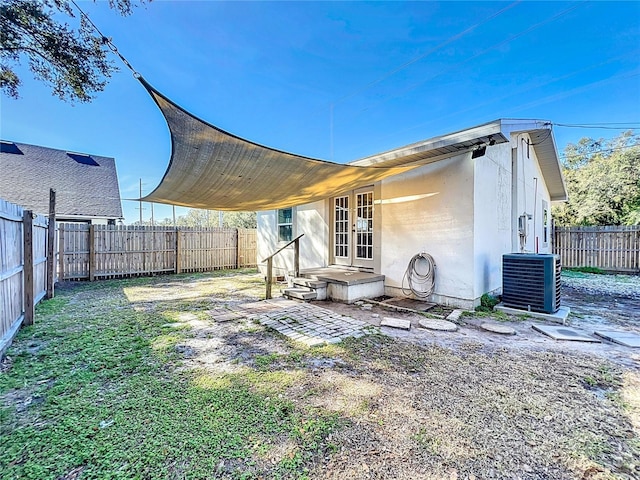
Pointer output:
x,y
600,123
595,152
406,64
493,47
427,53
581,88
519,92
604,126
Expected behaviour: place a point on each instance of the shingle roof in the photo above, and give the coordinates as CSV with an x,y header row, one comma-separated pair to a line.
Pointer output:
x,y
85,185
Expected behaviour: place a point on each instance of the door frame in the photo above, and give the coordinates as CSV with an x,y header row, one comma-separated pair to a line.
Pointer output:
x,y
348,240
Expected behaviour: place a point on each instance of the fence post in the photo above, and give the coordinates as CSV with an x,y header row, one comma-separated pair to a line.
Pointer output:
x,y
92,252
51,244
178,251
27,269
269,277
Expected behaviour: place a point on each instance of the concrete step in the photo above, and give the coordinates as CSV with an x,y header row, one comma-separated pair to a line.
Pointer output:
x,y
308,282
300,293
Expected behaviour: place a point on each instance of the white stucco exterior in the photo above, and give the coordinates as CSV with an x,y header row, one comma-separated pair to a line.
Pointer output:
x,y
462,211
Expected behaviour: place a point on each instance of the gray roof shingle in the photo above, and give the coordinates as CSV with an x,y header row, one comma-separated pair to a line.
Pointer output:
x,y
85,185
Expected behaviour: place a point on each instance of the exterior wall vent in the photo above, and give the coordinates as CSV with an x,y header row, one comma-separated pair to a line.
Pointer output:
x,y
531,282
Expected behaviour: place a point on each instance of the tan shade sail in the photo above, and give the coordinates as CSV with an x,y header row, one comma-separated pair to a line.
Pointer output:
x,y
210,168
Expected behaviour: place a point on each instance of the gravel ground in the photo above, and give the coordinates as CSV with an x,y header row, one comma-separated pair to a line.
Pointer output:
x,y
617,286
602,300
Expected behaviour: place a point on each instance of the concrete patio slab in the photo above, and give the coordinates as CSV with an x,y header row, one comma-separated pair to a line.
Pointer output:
x,y
564,333
344,276
628,339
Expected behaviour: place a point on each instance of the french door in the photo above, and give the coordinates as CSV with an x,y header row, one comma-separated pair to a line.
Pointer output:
x,y
353,228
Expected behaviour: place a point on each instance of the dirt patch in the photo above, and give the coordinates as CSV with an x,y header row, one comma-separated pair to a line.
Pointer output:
x,y
596,301
465,404
415,404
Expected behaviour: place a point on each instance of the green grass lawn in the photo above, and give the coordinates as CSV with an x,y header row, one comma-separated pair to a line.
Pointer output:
x,y
92,389
135,379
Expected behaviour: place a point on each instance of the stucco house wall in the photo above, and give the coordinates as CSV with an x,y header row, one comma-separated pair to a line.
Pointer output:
x,y
311,219
462,211
430,210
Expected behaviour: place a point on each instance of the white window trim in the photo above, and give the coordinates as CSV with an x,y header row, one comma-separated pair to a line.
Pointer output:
x,y
278,224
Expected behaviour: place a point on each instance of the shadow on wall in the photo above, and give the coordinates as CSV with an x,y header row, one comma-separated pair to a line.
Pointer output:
x,y
491,276
314,246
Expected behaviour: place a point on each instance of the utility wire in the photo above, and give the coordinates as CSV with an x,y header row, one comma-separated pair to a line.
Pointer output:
x,y
405,65
519,92
564,156
426,54
573,91
483,52
597,123
604,126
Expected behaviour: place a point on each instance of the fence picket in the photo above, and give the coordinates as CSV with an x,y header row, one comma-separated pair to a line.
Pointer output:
x,y
121,251
609,248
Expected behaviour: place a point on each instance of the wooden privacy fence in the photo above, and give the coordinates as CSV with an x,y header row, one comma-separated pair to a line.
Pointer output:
x,y
106,251
610,248
23,268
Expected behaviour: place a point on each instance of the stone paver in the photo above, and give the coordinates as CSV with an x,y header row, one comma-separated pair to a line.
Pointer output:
x,y
441,325
628,339
395,323
455,315
305,322
497,328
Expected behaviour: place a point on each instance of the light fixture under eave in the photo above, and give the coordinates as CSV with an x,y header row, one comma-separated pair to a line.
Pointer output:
x,y
479,151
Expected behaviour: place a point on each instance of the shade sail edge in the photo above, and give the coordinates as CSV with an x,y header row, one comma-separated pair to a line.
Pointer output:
x,y
214,169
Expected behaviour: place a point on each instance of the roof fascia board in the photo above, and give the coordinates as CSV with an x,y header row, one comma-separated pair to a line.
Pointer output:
x,y
448,140
546,151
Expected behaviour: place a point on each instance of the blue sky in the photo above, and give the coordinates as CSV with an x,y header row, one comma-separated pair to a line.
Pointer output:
x,y
394,72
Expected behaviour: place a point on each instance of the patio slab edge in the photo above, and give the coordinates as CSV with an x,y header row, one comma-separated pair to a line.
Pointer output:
x,y
559,317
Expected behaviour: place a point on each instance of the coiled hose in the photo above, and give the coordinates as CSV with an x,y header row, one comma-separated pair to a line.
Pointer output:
x,y
420,284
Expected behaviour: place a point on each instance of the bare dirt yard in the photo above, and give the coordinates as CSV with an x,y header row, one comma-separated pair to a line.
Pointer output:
x,y
165,377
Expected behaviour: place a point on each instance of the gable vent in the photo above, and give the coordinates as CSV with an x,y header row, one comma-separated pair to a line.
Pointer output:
x,y
84,159
10,147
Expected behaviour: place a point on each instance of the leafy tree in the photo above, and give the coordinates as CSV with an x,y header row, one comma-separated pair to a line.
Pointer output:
x,y
74,61
603,181
210,218
240,219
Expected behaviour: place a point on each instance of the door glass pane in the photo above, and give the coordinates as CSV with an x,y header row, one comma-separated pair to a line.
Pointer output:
x,y
341,215
364,225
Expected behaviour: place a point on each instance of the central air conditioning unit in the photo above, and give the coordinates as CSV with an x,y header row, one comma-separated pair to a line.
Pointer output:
x,y
531,282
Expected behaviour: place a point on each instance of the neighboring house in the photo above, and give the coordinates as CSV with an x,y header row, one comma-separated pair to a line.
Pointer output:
x,y
86,185
479,193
